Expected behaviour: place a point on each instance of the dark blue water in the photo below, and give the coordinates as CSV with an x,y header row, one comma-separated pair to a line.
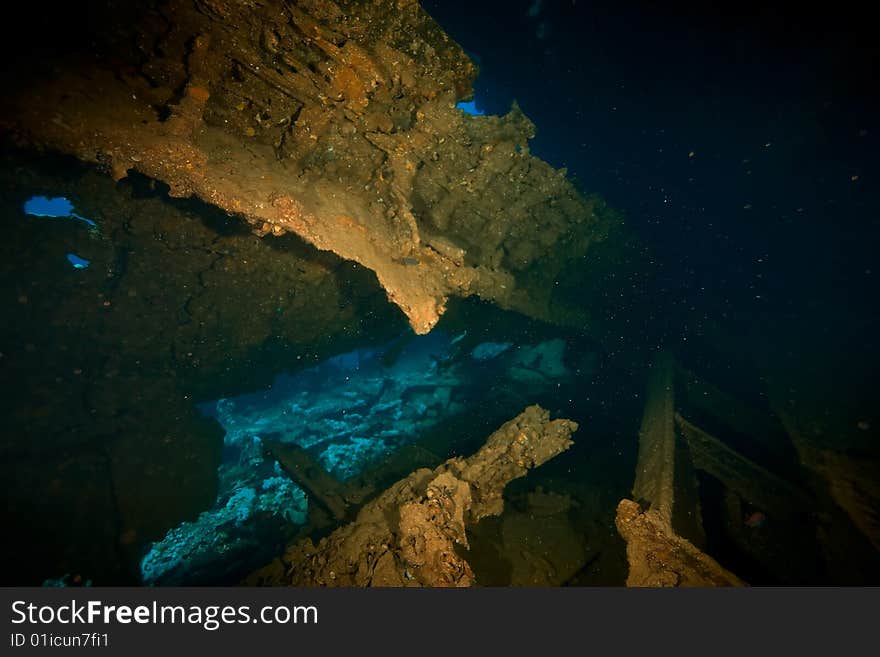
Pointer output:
x,y
741,142
739,139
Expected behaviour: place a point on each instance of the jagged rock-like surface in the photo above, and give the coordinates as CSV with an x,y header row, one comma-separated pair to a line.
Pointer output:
x,y
658,557
332,120
407,535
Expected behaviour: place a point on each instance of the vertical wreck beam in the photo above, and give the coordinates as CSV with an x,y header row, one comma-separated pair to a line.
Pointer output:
x,y
655,471
657,555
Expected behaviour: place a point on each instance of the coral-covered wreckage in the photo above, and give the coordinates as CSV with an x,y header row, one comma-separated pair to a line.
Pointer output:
x,y
408,534
335,122
266,185
306,151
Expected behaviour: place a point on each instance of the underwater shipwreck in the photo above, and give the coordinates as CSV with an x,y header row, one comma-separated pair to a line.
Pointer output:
x,y
279,311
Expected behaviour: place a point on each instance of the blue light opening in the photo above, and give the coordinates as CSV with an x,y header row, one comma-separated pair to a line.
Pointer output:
x,y
58,206
77,262
470,107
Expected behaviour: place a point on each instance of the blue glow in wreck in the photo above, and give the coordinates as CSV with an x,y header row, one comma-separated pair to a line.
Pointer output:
x,y
77,262
350,412
470,107
353,410
58,206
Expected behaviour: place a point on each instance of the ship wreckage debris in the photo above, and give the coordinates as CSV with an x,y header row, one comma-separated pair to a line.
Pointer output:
x,y
333,121
407,536
328,130
317,165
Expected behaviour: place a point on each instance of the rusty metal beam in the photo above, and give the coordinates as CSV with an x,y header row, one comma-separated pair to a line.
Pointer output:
x,y
655,472
752,482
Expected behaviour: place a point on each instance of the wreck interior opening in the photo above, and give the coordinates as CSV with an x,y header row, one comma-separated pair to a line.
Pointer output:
x,y
303,272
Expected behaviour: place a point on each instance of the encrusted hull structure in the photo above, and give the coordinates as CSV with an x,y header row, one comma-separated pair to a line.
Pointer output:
x,y
333,121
